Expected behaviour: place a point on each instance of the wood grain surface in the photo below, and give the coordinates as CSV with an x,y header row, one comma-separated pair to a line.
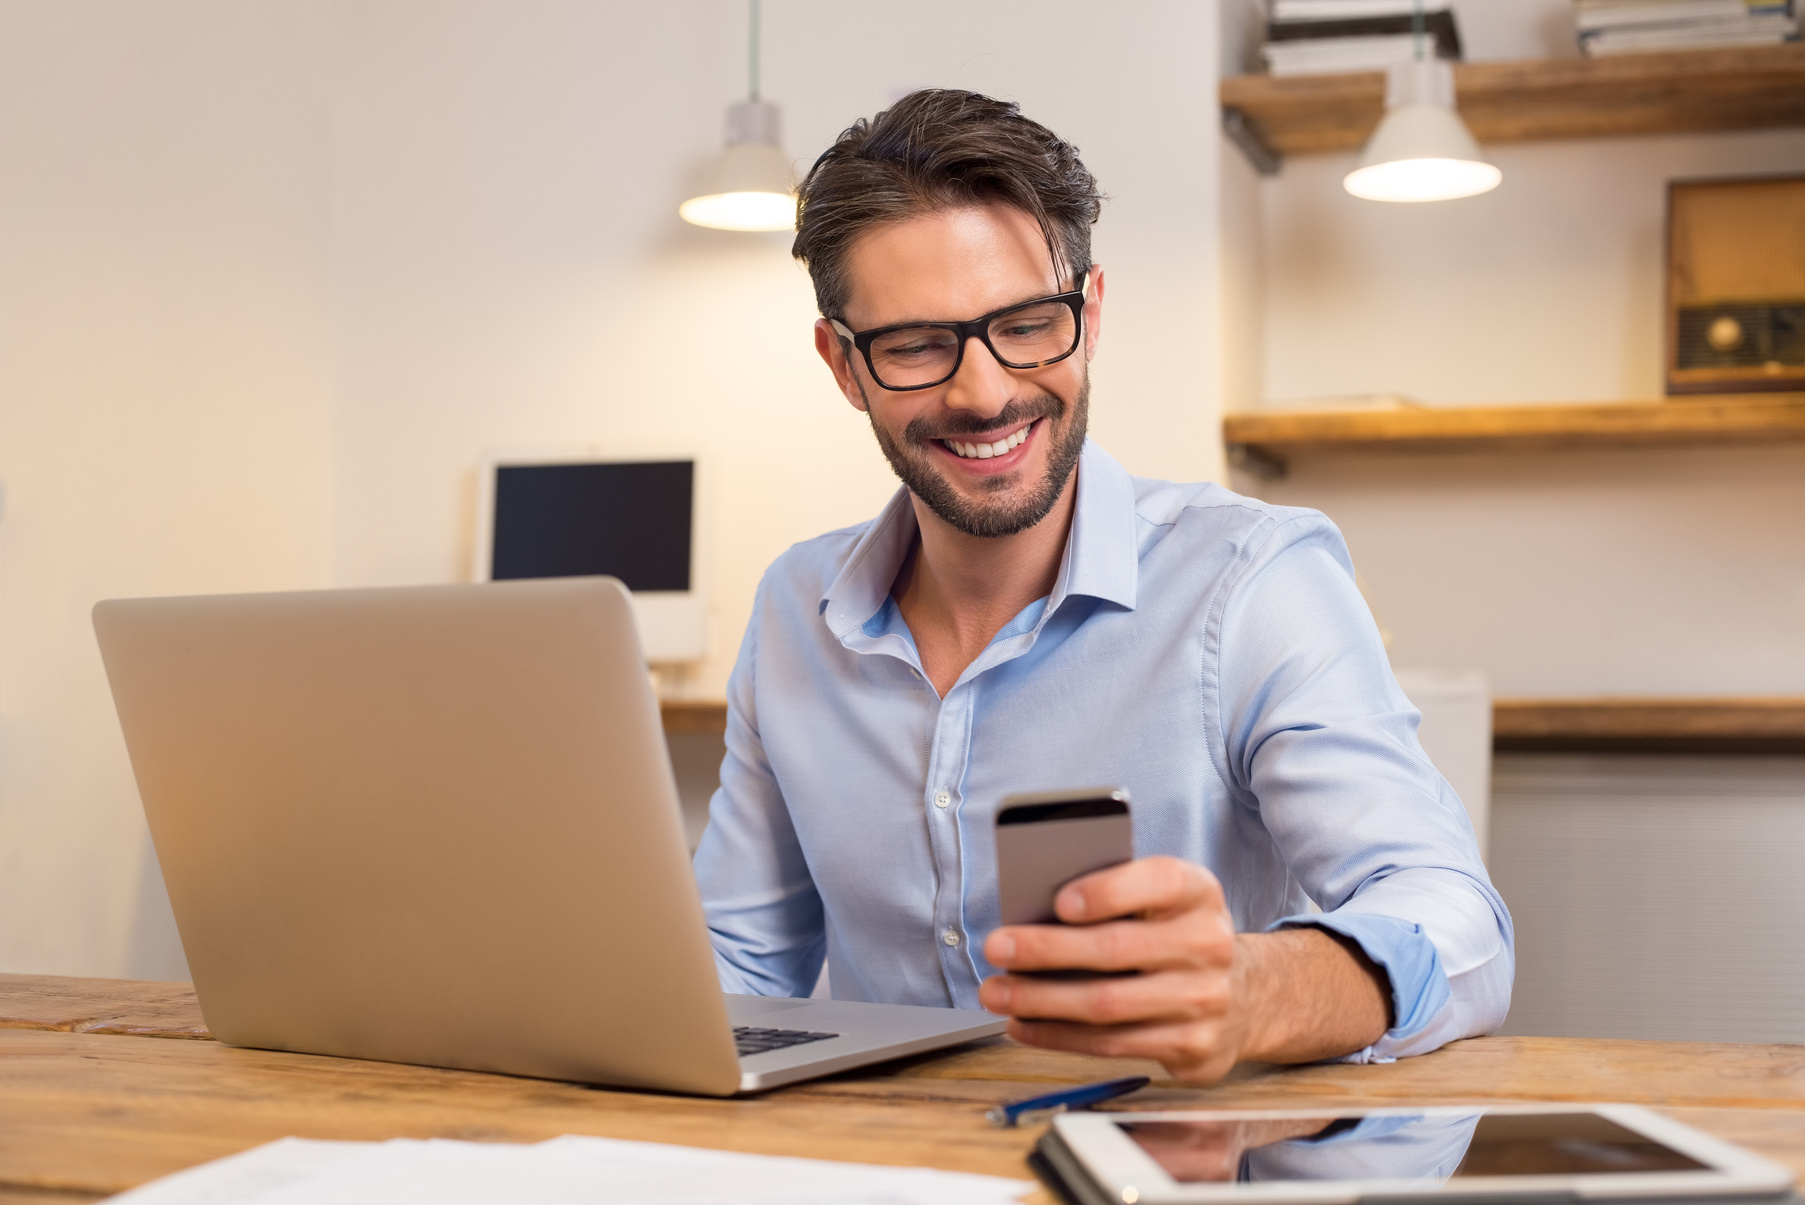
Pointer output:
x,y
1706,419
1621,724
87,1113
1725,89
707,716
1773,724
112,1006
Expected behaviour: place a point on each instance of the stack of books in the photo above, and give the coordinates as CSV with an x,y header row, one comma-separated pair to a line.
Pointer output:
x,y
1323,37
1633,26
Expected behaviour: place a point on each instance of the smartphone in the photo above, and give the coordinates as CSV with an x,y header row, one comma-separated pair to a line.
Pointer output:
x,y
1045,841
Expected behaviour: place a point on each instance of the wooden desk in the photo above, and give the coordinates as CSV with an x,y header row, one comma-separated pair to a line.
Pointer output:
x,y
92,1103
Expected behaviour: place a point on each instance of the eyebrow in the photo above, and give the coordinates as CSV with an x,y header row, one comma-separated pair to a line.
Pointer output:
x,y
937,321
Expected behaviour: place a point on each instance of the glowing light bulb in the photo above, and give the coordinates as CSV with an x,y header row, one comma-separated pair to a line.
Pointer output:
x,y
1421,151
748,187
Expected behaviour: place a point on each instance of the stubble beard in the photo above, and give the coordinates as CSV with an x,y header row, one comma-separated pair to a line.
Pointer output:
x,y
912,461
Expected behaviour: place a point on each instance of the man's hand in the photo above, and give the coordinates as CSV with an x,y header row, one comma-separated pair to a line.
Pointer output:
x,y
1204,997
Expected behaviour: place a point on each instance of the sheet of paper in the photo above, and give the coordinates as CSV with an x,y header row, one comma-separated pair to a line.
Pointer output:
x,y
573,1170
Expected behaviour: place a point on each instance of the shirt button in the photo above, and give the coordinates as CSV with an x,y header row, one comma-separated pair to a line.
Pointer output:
x,y
950,937
941,799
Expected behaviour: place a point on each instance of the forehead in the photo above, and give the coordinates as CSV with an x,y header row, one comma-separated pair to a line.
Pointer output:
x,y
947,264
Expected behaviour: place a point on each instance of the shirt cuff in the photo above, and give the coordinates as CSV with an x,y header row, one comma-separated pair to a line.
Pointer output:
x,y
1419,986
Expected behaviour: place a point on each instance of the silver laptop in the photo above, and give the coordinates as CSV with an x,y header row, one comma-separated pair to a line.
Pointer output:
x,y
438,825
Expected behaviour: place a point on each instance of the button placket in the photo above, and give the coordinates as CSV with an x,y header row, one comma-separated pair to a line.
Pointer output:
x,y
946,771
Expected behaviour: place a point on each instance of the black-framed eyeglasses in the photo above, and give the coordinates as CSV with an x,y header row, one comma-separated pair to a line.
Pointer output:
x,y
921,355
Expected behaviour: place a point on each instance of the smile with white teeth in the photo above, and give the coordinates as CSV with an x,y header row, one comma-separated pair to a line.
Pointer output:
x,y
976,451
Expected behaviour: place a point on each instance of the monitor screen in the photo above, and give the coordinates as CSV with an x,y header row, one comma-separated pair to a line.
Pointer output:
x,y
628,519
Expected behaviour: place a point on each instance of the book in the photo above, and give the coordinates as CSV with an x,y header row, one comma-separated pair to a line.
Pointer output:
x,y
1762,29
1612,14
1439,27
1344,10
1329,56
1646,41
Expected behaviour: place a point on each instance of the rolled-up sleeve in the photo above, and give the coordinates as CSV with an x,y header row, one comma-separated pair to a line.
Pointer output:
x,y
1320,739
764,912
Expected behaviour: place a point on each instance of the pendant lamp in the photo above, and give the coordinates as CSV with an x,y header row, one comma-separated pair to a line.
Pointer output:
x,y
1421,150
748,187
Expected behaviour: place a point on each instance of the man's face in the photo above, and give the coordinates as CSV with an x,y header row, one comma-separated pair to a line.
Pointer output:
x,y
958,264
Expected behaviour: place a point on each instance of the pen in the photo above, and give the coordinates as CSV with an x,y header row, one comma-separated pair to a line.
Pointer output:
x,y
1027,1112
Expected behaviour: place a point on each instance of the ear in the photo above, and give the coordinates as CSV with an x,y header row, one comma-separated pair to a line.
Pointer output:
x,y
833,350
1093,313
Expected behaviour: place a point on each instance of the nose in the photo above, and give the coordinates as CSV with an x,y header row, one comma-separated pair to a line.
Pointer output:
x,y
981,385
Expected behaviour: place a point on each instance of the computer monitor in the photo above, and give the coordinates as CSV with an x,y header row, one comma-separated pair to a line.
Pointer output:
x,y
571,516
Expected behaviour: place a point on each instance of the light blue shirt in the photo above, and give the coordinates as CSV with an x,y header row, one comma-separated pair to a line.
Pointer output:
x,y
1206,651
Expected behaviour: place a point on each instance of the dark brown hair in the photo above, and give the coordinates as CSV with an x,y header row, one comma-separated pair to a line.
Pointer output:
x,y
934,149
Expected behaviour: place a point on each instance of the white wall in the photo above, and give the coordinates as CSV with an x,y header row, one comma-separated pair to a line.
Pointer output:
x,y
164,398
275,276
511,271
1546,289
1673,571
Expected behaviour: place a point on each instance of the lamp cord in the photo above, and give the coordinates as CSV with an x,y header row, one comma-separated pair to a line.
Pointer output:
x,y
752,48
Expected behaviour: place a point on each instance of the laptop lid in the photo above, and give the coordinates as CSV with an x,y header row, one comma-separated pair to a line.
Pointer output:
x,y
429,825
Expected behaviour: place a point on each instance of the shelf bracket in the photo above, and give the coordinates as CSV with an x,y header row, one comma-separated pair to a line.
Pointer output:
x,y
1245,134
1258,462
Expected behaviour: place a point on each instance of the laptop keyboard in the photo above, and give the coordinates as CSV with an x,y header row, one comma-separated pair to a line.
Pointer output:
x,y
761,1041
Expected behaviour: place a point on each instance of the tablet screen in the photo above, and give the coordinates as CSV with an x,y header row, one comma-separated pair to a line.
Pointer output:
x,y
1432,1148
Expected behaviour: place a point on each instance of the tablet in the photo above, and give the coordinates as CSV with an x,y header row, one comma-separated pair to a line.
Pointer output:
x,y
1494,1152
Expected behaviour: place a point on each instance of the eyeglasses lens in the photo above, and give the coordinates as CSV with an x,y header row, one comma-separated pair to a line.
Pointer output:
x,y
1025,337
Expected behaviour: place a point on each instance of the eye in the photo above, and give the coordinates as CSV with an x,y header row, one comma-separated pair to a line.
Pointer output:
x,y
913,345
1022,328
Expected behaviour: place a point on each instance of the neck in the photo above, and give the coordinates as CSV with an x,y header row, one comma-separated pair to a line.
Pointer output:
x,y
956,591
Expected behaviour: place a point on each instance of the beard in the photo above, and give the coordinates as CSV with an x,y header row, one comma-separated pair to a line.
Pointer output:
x,y
912,461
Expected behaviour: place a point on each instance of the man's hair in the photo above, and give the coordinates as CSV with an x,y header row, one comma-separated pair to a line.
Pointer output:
x,y
941,148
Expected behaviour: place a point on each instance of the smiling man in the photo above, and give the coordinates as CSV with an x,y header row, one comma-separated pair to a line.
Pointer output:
x,y
1024,615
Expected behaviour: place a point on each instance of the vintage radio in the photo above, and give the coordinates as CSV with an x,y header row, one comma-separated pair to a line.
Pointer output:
x,y
1736,285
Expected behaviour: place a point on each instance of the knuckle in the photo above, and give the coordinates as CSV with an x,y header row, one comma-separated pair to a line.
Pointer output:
x,y
1110,1044
1213,997
1204,945
1114,947
1110,1002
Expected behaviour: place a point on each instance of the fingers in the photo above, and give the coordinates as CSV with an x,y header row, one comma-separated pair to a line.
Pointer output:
x,y
1151,886
1195,939
1162,917
1132,999
1196,1052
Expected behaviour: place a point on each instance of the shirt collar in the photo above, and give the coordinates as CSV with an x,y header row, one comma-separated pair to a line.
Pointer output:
x,y
1102,555
1101,560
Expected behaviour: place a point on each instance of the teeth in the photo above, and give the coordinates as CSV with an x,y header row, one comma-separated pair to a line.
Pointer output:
x,y
971,451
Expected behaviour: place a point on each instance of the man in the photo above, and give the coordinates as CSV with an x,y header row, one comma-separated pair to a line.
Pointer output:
x,y
1025,616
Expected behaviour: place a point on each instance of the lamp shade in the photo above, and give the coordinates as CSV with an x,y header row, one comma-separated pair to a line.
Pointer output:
x,y
1421,150
748,187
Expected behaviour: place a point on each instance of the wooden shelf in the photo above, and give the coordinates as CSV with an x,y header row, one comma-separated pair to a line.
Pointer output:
x,y
1774,724
1729,89
706,717
1263,441
1632,724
